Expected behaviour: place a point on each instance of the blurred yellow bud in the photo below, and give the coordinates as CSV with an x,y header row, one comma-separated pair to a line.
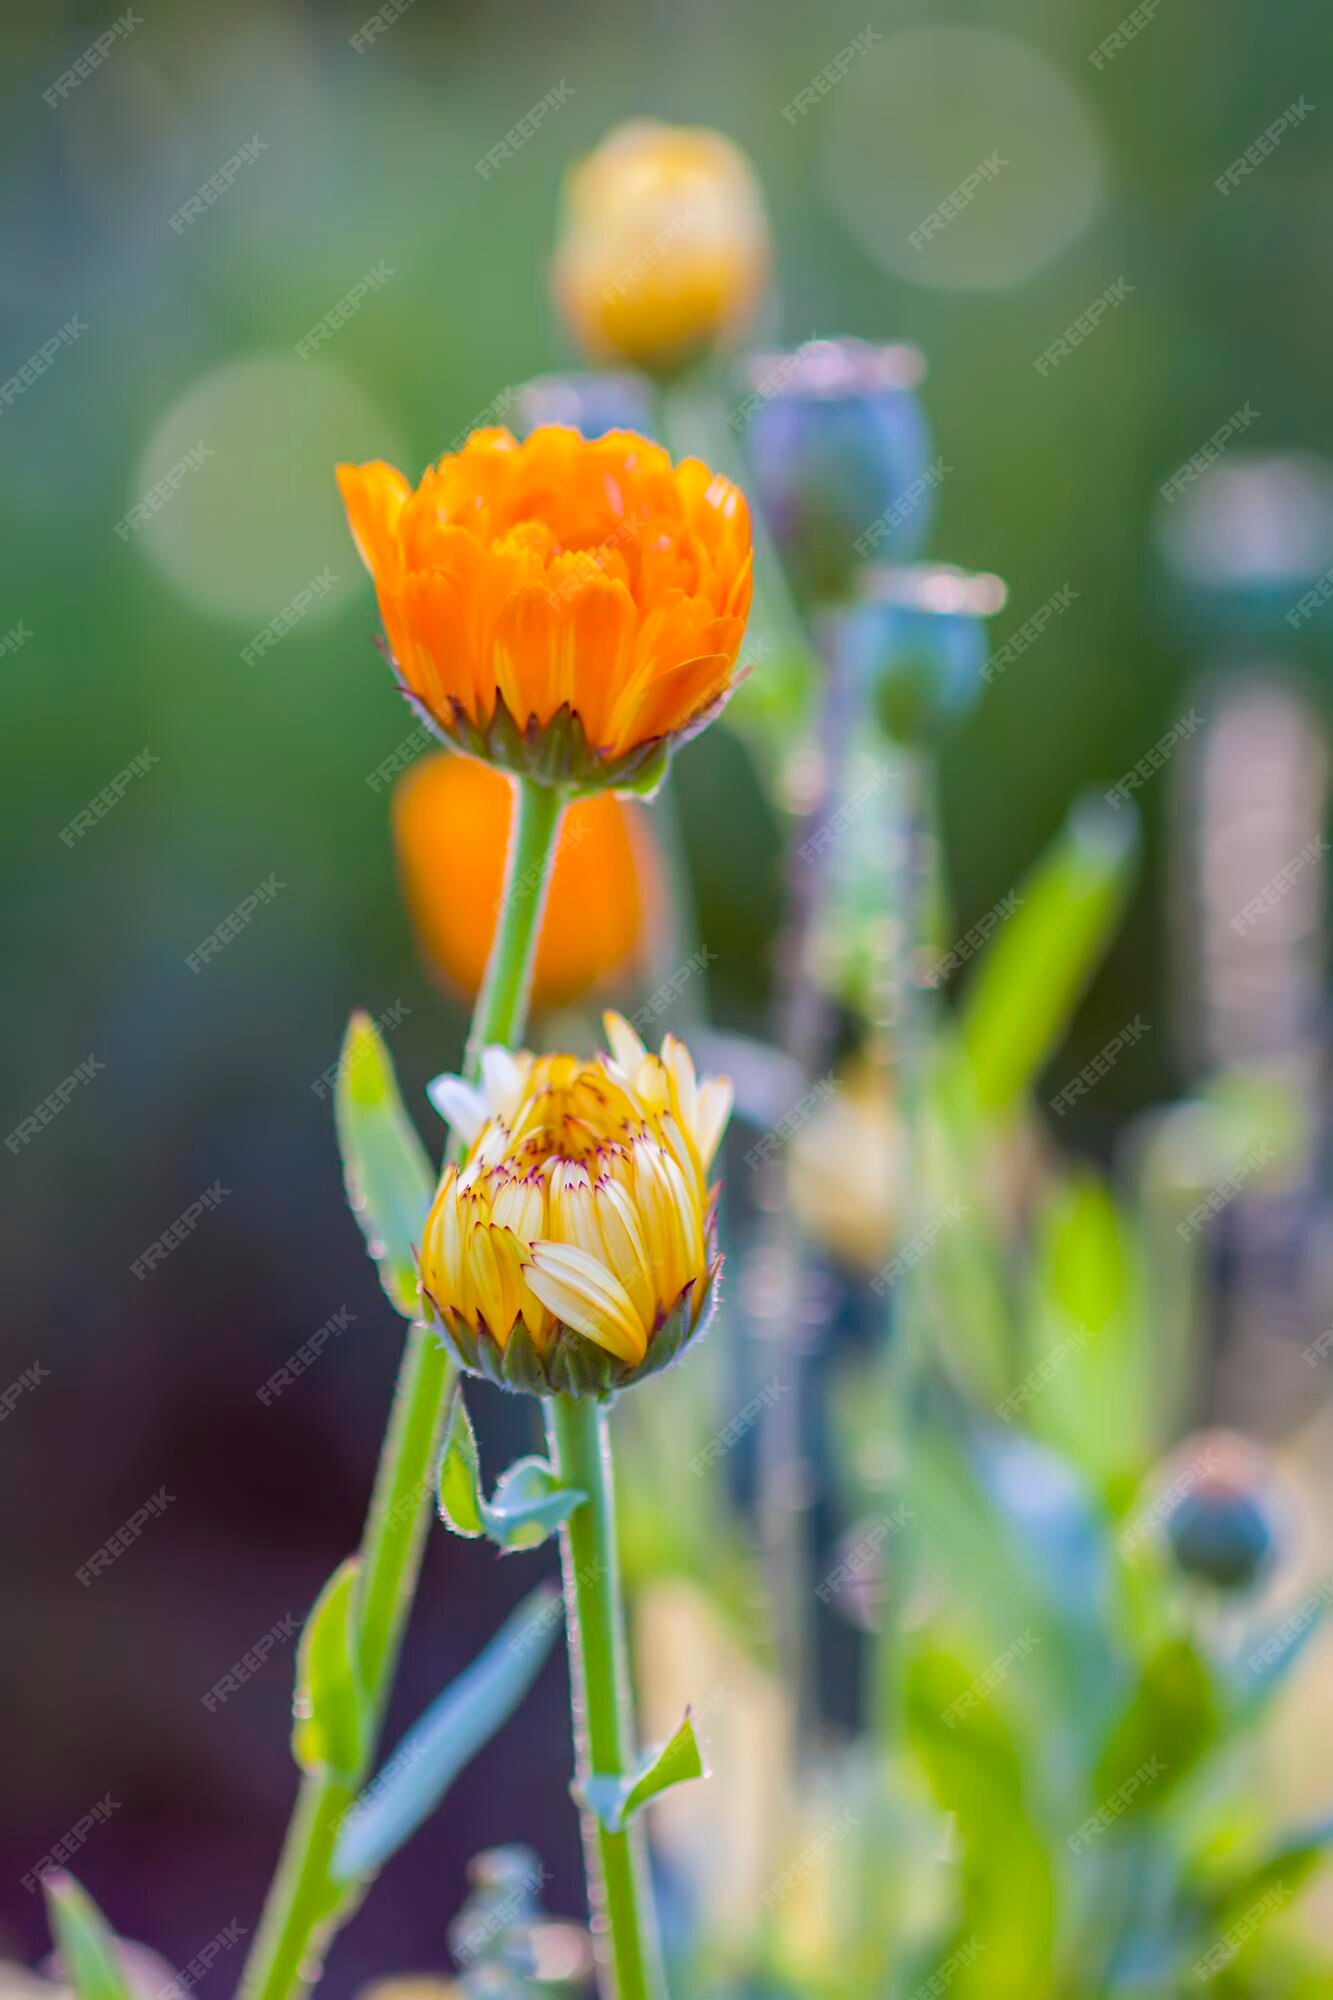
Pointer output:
x,y
664,248
845,1173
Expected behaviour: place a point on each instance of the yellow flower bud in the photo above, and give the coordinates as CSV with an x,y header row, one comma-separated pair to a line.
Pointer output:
x,y
574,1248
845,1174
664,251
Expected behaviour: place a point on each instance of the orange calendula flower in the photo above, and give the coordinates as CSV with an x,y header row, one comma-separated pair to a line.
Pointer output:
x,y
664,248
568,609
452,820
573,1250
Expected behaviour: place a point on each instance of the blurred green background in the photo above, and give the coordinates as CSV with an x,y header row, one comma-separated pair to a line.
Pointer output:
x,y
368,160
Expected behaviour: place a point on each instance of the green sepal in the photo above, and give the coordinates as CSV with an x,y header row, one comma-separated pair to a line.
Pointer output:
x,y
558,752
385,1166
529,1501
460,1473
84,1939
614,1800
571,1364
330,1732
520,1363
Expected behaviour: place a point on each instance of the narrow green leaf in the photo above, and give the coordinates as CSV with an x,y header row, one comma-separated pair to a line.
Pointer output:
x,y
529,1501
85,1941
329,1733
613,1800
460,1473
385,1166
1020,1000
452,1730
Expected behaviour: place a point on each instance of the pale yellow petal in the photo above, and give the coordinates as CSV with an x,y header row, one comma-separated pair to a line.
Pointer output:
x,y
685,1092
715,1102
586,1296
626,1048
520,1205
460,1104
502,1080
625,1248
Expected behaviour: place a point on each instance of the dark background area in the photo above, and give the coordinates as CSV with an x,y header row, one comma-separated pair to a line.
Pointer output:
x,y
261,769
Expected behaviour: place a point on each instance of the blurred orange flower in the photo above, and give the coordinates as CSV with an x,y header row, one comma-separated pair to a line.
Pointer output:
x,y
664,247
565,608
452,819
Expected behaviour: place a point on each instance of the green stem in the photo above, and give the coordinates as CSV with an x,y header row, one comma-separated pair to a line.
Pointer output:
x,y
502,1004
304,1905
619,1895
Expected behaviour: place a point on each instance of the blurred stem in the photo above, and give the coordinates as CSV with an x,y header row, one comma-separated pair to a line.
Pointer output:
x,y
913,895
304,1904
619,1894
692,419
802,1031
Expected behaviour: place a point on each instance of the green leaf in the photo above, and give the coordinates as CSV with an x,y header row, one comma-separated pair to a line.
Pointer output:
x,y
86,1943
1172,1721
982,1774
1087,1380
332,1715
528,1504
529,1501
1024,992
613,1800
1273,1879
452,1730
385,1166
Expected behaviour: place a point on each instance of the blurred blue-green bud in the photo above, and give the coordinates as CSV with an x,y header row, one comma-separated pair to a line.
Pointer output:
x,y
594,403
1220,1528
1245,543
917,645
841,458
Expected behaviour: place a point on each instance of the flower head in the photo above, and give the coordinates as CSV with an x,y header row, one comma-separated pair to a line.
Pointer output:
x,y
573,1249
452,820
565,608
664,251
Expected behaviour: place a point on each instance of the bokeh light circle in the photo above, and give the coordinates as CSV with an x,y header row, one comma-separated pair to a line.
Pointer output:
x,y
968,118
255,516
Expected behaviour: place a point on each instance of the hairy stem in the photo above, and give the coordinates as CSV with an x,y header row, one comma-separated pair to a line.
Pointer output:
x,y
305,1905
619,1893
